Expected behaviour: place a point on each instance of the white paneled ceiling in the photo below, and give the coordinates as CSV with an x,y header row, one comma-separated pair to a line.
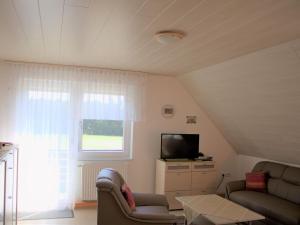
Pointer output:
x,y
119,33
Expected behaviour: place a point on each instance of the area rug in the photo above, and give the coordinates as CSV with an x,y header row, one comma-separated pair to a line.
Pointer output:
x,y
55,214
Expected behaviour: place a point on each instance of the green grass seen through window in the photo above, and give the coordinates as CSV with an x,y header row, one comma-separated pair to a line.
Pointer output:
x,y
101,142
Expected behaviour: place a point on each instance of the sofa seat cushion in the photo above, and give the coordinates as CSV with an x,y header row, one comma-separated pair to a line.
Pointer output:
x,y
269,205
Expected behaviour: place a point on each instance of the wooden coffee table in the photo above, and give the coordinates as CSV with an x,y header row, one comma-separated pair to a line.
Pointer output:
x,y
217,210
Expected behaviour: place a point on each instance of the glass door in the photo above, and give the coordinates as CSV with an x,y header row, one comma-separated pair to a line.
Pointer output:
x,y
2,192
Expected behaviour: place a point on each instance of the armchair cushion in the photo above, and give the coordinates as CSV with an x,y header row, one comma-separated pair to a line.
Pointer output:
x,y
143,199
157,214
151,210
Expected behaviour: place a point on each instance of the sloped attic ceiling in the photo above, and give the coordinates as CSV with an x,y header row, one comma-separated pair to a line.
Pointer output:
x,y
255,101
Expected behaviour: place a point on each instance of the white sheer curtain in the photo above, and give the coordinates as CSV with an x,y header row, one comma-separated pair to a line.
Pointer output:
x,y
50,102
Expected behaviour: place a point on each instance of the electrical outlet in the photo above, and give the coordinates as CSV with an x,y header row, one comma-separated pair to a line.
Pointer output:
x,y
226,174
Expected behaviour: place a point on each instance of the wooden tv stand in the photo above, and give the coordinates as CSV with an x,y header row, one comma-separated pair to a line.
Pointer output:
x,y
184,177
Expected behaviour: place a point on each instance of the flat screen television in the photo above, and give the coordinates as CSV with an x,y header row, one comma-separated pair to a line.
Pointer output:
x,y
179,146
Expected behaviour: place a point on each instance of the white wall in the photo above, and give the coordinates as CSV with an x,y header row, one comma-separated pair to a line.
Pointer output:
x,y
163,90
146,147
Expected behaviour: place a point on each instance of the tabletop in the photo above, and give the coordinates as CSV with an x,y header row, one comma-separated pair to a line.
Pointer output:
x,y
216,209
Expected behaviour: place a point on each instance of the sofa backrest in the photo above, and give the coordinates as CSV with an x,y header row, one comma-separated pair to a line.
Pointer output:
x,y
291,179
284,180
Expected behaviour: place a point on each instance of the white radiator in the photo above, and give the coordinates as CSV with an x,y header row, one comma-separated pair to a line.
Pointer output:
x,y
89,174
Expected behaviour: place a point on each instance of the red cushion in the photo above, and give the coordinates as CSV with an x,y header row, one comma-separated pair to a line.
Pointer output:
x,y
256,181
128,195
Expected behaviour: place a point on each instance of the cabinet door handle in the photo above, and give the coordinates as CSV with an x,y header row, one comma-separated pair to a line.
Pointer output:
x,y
9,197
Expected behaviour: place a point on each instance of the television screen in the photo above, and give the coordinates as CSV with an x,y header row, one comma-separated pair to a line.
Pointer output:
x,y
179,146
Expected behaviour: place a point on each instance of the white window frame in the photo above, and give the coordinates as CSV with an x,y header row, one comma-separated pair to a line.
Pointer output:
x,y
125,154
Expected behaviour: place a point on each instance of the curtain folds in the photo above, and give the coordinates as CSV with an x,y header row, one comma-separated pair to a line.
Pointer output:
x,y
50,103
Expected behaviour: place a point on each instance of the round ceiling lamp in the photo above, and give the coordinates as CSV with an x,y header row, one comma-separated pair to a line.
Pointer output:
x,y
168,37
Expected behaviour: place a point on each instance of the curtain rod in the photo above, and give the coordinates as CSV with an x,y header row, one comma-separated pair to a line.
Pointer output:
x,y
81,67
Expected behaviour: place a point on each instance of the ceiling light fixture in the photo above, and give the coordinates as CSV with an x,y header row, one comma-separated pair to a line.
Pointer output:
x,y
168,37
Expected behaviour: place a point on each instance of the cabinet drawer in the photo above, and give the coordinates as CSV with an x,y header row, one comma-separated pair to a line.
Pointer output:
x,y
178,167
204,180
173,203
178,181
203,166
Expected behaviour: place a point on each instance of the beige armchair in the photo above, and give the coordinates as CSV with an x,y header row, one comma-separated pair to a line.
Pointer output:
x,y
114,210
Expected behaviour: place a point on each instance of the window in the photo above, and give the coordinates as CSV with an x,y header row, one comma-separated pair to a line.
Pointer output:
x,y
104,134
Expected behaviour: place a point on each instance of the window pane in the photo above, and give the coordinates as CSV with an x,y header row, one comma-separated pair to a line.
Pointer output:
x,y
103,106
102,135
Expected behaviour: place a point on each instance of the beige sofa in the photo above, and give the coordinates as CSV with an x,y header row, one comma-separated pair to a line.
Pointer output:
x,y
114,210
281,203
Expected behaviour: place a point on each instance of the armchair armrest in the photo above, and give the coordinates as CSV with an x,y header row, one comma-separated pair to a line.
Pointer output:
x,y
233,186
142,199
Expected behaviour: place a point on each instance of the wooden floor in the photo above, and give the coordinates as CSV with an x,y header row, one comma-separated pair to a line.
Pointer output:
x,y
82,217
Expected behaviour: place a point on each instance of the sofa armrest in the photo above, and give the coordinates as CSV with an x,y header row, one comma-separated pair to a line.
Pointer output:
x,y
233,186
142,199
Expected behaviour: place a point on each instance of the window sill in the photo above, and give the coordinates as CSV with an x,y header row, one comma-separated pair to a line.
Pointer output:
x,y
96,156
104,159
